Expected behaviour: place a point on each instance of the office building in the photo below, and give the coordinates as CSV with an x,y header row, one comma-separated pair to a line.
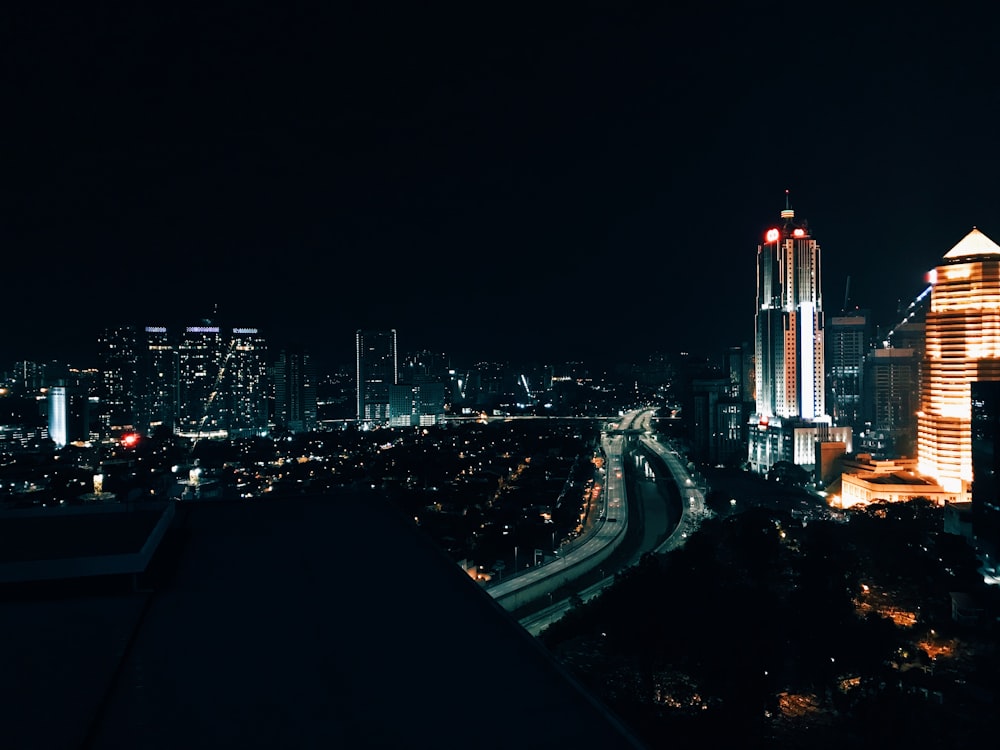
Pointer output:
x,y
891,398
376,369
721,409
848,338
962,346
790,411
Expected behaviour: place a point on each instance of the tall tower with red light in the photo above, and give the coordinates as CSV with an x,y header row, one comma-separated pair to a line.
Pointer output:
x,y
789,325
788,347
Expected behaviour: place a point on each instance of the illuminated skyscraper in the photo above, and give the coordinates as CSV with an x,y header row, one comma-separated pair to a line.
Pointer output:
x,y
789,343
244,383
117,350
788,348
377,368
158,379
962,346
200,354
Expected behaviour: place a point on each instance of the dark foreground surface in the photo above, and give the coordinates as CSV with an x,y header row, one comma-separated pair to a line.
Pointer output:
x,y
312,622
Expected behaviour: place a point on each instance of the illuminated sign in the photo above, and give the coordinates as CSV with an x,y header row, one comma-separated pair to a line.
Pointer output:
x,y
772,235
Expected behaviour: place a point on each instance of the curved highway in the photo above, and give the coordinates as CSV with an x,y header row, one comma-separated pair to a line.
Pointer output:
x,y
586,552
693,511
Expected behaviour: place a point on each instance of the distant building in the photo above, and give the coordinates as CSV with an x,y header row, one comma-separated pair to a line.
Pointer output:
x,y
962,347
159,374
29,376
415,404
866,479
721,409
118,393
200,353
295,384
203,380
244,385
848,340
377,368
69,414
985,500
891,400
790,411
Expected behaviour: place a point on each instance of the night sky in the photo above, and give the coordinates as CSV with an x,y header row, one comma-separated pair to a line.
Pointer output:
x,y
546,181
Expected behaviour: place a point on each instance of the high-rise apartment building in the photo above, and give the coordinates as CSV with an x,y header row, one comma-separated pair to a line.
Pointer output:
x,y
295,382
200,354
244,383
118,392
376,369
159,394
204,381
962,346
789,350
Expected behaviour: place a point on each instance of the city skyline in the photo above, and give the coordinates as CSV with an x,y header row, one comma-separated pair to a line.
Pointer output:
x,y
509,186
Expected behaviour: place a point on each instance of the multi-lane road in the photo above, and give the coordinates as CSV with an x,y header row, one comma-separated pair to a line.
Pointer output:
x,y
648,508
588,551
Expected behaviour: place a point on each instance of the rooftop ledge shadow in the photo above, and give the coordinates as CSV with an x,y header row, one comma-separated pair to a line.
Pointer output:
x,y
290,622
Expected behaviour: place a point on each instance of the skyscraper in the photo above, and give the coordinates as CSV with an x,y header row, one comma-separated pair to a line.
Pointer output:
x,y
376,369
119,388
789,340
159,394
890,403
244,383
848,338
200,354
962,346
788,348
295,382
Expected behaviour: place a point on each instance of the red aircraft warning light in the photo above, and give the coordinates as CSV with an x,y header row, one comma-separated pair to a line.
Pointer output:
x,y
130,439
772,235
798,232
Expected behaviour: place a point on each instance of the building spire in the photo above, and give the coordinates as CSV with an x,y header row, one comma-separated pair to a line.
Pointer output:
x,y
787,212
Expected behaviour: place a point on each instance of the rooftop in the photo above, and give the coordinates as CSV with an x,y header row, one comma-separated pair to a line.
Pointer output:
x,y
310,621
974,243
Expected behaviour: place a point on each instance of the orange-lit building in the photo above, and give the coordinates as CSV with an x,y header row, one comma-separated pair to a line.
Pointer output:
x,y
962,346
